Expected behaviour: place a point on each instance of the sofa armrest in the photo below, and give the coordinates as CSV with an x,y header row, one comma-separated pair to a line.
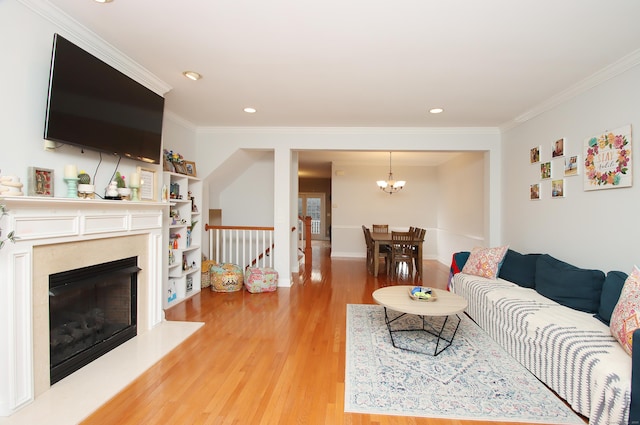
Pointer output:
x,y
634,409
458,260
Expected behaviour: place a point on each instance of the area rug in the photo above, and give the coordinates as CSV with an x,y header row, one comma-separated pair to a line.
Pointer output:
x,y
472,379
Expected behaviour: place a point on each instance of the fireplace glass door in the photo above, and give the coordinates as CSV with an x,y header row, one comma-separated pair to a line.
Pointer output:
x,y
91,311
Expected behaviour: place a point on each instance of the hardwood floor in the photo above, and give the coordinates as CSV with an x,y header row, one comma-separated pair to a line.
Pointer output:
x,y
271,358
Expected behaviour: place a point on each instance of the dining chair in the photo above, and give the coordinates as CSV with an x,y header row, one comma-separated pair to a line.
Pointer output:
x,y
419,235
367,237
402,244
372,256
380,228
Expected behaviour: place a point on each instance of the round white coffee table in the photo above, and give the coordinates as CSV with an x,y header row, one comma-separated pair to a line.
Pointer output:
x,y
397,298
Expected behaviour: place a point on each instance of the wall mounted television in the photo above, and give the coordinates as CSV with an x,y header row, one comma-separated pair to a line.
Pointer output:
x,y
94,106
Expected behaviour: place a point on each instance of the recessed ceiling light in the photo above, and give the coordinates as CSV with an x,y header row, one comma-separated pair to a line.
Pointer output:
x,y
436,110
250,110
192,75
103,1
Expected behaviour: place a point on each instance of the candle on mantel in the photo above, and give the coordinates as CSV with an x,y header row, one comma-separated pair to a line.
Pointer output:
x,y
135,180
70,172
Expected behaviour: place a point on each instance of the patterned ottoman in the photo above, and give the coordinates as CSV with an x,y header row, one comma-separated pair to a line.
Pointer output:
x,y
226,277
205,280
261,279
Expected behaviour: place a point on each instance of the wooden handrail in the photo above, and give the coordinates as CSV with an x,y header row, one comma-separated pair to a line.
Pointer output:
x,y
207,227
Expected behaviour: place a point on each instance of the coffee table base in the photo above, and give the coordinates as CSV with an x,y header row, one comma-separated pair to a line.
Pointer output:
x,y
426,327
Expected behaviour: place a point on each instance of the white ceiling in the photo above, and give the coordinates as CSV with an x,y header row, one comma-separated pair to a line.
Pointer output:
x,y
365,63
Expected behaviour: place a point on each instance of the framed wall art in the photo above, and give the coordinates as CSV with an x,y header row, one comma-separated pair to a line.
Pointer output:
x,y
607,160
557,149
571,166
557,188
545,170
534,192
40,182
534,155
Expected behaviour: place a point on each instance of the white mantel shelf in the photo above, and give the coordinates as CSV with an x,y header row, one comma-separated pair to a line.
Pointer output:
x,y
45,221
51,220
35,201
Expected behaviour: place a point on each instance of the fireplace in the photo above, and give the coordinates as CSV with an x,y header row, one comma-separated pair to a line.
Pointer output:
x,y
55,235
92,310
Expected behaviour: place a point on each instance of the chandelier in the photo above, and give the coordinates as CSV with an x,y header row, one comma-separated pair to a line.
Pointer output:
x,y
390,185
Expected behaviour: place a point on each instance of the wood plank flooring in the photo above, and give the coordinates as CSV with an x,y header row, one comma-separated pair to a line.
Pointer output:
x,y
271,358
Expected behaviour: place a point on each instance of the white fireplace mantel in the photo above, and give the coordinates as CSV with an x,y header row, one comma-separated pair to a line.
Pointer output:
x,y
72,224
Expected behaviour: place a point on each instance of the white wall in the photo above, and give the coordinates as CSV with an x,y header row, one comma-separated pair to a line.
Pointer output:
x,y
595,229
218,145
461,196
248,200
26,39
358,201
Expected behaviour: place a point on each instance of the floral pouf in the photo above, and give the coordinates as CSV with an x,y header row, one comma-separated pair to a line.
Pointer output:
x,y
258,279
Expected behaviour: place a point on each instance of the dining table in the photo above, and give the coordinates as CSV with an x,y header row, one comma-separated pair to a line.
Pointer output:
x,y
380,239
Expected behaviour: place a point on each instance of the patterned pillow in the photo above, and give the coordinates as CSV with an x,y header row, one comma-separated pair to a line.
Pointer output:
x,y
626,315
485,262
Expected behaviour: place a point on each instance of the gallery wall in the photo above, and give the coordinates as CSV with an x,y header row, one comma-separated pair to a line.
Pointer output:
x,y
593,229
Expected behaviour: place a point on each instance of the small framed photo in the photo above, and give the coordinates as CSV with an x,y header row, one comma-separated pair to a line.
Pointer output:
x,y
545,170
558,148
534,155
571,166
534,192
190,167
40,182
180,168
148,184
557,188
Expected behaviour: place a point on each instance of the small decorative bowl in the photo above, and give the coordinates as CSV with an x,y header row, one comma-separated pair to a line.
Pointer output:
x,y
422,293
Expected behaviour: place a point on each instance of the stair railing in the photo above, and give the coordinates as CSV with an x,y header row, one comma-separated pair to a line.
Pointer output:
x,y
246,246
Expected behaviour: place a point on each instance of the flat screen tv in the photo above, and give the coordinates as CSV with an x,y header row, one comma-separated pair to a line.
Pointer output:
x,y
94,106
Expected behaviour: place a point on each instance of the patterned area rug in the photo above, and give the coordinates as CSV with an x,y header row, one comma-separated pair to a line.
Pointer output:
x,y
472,379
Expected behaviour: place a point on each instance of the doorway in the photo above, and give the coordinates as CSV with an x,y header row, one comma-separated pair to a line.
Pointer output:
x,y
313,205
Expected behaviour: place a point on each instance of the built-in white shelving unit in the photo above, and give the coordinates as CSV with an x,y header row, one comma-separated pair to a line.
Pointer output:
x,y
183,237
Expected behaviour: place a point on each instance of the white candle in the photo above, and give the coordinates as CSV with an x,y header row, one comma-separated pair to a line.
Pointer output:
x,y
135,180
70,172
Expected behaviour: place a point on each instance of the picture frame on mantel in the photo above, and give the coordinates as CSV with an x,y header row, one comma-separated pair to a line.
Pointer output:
x,y
149,187
40,182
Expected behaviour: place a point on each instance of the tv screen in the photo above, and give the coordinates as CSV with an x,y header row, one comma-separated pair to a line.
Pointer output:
x,y
93,105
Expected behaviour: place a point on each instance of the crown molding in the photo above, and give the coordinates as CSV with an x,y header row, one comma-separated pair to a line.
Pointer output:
x,y
91,42
624,64
350,130
172,116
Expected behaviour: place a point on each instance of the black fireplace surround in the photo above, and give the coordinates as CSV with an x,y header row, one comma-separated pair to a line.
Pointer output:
x,y
92,310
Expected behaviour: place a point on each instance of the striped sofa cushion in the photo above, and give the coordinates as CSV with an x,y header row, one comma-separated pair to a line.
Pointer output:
x,y
570,351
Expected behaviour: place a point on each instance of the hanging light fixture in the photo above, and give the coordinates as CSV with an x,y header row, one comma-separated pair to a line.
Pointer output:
x,y
390,185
